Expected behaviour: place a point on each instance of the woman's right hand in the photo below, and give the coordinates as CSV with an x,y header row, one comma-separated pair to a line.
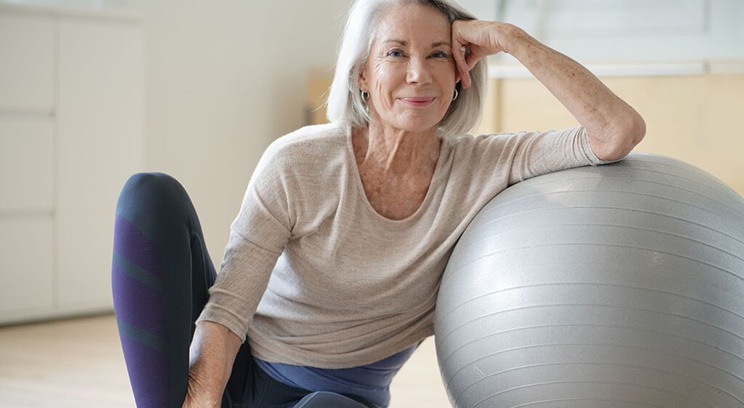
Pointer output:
x,y
197,396
211,356
190,403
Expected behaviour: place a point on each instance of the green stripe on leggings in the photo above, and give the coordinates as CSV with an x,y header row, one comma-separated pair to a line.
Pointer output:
x,y
137,273
142,336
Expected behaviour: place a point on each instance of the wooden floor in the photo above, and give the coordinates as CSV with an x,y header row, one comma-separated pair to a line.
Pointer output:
x,y
79,363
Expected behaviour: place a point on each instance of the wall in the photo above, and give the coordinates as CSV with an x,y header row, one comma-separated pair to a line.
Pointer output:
x,y
223,79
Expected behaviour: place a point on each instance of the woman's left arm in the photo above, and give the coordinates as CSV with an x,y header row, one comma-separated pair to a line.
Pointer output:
x,y
614,127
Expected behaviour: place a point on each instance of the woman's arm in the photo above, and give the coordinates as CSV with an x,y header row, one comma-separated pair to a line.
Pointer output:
x,y
613,126
212,354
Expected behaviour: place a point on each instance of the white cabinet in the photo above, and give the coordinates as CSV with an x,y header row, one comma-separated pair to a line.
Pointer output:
x,y
71,133
100,145
26,165
26,262
27,68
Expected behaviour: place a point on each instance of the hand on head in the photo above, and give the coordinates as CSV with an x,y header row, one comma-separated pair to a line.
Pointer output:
x,y
473,40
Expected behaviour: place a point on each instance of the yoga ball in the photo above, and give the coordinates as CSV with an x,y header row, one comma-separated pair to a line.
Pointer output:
x,y
619,285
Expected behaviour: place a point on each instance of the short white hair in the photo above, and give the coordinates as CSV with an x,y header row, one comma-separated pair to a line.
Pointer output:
x,y
345,104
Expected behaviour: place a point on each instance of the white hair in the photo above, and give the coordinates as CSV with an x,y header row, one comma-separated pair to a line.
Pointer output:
x,y
345,104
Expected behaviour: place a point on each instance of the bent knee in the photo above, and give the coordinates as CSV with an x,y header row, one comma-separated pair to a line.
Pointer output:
x,y
324,399
154,183
151,180
154,191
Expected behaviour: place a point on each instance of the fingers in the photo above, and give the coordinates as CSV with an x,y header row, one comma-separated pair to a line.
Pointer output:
x,y
466,69
471,60
461,65
460,53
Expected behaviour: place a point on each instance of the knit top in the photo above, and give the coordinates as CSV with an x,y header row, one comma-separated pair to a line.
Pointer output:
x,y
313,275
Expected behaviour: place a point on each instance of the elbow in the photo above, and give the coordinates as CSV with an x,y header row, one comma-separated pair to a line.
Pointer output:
x,y
635,133
627,138
639,130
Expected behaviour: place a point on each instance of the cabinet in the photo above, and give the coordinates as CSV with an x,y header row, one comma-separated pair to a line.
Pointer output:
x,y
71,133
689,117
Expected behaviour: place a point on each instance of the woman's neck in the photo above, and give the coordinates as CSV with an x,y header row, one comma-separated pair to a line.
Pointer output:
x,y
396,152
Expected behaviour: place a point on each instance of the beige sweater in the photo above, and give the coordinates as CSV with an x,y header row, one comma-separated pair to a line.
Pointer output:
x,y
315,276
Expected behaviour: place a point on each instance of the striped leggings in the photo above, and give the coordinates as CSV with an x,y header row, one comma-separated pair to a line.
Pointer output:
x,y
161,272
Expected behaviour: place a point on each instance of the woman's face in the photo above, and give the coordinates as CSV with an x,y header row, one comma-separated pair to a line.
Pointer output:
x,y
410,60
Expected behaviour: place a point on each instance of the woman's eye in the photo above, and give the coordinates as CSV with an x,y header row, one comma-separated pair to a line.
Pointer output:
x,y
395,50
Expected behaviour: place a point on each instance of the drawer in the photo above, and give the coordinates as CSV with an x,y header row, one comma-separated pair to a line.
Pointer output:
x,y
26,165
26,268
27,68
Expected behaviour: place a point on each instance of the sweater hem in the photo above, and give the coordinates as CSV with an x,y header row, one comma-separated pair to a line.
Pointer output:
x,y
286,355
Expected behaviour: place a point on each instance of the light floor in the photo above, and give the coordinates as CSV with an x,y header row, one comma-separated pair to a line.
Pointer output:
x,y
79,363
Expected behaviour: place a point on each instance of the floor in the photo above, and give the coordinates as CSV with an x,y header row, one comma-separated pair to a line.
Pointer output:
x,y
78,363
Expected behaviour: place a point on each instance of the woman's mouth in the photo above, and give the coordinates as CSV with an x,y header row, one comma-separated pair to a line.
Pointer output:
x,y
417,101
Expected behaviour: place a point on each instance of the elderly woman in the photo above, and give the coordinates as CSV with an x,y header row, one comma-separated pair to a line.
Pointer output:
x,y
333,262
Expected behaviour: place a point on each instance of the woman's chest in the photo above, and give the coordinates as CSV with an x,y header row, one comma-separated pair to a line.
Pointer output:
x,y
395,199
365,268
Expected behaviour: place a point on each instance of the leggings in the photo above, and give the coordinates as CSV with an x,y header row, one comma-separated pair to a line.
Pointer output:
x,y
160,276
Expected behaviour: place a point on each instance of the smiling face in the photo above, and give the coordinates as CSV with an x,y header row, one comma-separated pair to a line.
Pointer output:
x,y
410,73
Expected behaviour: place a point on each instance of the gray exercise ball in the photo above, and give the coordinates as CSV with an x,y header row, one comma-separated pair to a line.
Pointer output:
x,y
612,286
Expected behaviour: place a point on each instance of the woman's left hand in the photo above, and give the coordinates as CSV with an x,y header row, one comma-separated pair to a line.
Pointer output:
x,y
473,40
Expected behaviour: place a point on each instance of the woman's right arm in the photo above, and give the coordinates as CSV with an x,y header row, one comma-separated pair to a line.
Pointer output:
x,y
211,357
264,218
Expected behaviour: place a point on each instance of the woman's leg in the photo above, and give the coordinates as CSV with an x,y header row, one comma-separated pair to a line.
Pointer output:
x,y
161,271
325,399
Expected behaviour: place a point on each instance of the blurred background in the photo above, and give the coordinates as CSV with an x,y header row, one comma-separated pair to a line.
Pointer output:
x,y
92,91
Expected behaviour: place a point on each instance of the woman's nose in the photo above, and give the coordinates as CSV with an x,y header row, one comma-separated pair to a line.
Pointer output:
x,y
418,71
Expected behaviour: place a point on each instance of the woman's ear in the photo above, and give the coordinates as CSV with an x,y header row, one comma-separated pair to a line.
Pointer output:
x,y
362,81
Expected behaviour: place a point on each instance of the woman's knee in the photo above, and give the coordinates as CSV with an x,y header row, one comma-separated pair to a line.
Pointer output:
x,y
152,182
153,191
328,399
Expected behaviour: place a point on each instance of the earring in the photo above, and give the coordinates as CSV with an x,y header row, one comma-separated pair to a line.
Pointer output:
x,y
456,94
365,95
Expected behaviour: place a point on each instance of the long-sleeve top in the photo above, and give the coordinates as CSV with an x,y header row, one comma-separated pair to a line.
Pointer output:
x,y
313,275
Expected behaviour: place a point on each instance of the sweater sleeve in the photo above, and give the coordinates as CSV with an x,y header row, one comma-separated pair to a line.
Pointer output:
x,y
535,153
257,238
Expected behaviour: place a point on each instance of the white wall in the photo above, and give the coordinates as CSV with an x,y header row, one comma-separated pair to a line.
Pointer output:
x,y
223,79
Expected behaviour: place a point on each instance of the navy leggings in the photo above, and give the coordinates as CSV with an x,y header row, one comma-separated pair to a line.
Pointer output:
x,y
161,272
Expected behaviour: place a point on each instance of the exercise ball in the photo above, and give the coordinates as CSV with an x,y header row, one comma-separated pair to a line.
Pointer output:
x,y
611,286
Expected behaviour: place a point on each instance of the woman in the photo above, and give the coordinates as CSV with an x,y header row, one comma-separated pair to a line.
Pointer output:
x,y
333,262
